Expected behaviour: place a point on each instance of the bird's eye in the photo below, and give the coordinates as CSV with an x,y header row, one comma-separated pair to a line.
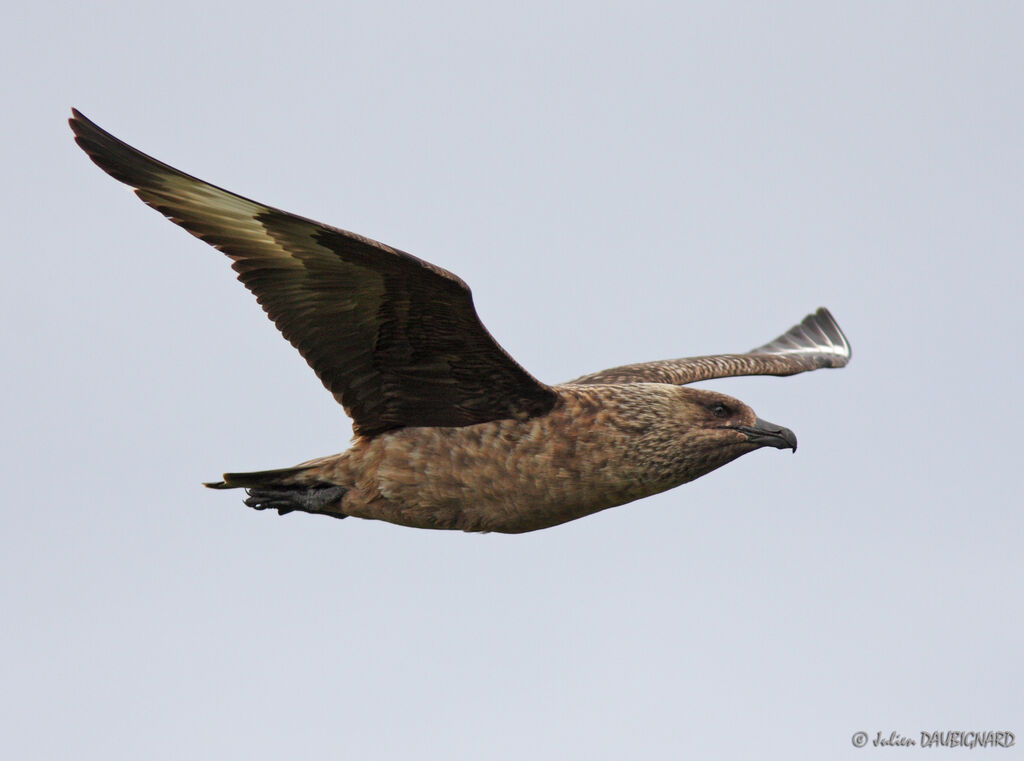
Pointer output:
x,y
720,410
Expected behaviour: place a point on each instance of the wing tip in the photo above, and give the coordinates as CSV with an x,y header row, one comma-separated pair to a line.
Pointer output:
x,y
826,322
107,152
818,334
83,127
118,159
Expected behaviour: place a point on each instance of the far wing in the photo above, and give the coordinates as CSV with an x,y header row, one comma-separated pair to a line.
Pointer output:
x,y
815,343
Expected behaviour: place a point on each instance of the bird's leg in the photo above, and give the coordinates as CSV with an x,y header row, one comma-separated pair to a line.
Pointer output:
x,y
287,499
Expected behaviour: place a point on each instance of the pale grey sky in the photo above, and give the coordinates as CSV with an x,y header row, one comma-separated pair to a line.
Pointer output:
x,y
617,183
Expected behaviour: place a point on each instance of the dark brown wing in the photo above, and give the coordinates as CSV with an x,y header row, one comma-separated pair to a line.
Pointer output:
x,y
394,338
814,343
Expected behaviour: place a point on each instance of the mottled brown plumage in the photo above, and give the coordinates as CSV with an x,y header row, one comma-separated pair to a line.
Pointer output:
x,y
451,432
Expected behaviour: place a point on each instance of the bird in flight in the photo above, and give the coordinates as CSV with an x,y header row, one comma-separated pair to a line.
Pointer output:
x,y
450,431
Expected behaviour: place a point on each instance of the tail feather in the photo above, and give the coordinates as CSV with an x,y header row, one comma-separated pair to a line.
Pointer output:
x,y
258,478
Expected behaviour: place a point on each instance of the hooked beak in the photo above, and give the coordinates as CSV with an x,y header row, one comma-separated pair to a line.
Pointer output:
x,y
765,434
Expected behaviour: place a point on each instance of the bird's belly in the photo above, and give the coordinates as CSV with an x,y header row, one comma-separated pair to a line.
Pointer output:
x,y
506,476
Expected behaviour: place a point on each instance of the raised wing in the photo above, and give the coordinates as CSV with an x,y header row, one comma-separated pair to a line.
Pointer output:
x,y
816,342
395,339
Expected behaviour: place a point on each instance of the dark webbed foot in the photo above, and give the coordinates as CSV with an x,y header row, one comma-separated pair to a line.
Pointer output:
x,y
287,499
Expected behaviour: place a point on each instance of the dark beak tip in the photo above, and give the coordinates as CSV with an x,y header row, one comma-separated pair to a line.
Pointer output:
x,y
767,434
790,438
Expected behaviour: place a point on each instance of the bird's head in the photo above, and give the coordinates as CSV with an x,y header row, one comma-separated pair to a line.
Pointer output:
x,y
717,419
704,430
